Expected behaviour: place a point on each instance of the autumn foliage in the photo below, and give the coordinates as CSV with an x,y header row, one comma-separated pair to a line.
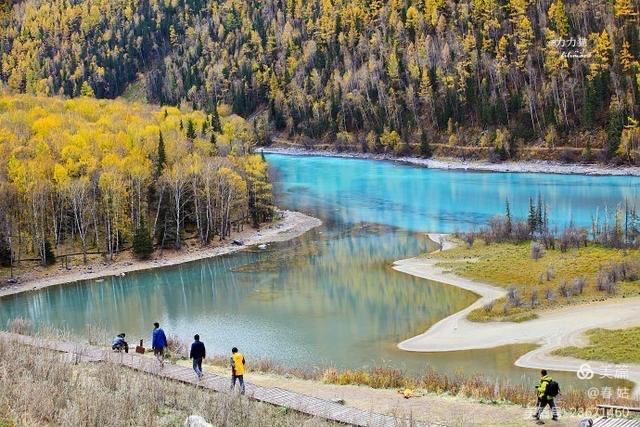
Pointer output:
x,y
86,174
504,78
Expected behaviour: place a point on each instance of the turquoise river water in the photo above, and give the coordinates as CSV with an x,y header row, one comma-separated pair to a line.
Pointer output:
x,y
330,297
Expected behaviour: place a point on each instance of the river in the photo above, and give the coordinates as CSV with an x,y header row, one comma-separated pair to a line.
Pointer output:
x,y
330,297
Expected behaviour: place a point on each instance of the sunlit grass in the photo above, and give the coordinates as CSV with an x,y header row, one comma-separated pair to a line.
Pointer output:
x,y
42,389
537,281
615,346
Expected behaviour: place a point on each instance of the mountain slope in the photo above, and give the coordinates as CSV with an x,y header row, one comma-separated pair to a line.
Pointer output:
x,y
363,74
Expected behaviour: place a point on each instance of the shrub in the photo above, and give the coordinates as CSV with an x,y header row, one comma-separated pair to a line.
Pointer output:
x,y
564,290
505,308
548,240
520,232
602,281
501,230
571,237
578,285
533,298
142,243
176,346
549,295
344,140
513,297
549,273
20,326
537,251
97,335
469,238
498,230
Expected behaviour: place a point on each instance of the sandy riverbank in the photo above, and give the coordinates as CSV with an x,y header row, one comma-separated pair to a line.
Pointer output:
x,y
292,224
476,165
552,329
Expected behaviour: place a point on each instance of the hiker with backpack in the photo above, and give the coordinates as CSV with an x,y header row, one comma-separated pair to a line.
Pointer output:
x,y
547,390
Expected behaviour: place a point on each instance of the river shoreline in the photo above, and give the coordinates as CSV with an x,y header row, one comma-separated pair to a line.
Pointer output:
x,y
528,166
293,224
552,329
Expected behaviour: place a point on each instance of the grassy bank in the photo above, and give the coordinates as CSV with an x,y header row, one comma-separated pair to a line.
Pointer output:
x,y
40,388
467,387
163,402
550,279
616,346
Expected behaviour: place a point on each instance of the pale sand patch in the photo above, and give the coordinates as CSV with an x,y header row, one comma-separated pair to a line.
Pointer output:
x,y
551,330
522,166
292,225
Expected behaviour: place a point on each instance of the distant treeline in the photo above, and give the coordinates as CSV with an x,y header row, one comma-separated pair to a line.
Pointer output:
x,y
619,228
496,77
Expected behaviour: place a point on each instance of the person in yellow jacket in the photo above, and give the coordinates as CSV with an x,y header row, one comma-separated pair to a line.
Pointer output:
x,y
237,369
544,396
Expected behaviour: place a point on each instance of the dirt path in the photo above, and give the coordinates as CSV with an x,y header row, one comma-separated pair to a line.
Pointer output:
x,y
441,409
552,329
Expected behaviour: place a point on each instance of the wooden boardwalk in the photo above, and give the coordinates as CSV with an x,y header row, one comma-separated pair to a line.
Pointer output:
x,y
275,396
616,422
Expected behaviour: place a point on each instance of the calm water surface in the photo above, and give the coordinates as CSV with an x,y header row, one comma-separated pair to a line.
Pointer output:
x,y
329,298
421,199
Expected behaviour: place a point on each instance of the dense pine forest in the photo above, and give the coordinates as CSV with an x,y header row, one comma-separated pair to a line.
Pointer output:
x,y
85,175
496,78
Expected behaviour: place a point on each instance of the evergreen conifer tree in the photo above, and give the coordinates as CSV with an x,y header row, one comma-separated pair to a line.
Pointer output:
x,y
142,244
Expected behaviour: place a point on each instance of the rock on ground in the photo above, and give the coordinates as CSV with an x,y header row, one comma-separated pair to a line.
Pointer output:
x,y
196,421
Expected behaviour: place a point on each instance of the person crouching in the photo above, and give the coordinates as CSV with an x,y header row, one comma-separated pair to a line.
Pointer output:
x,y
119,344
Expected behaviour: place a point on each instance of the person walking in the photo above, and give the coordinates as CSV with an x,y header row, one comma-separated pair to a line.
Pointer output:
x,y
158,343
197,353
237,369
547,390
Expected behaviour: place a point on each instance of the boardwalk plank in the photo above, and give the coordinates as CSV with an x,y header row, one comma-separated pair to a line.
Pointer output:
x,y
616,422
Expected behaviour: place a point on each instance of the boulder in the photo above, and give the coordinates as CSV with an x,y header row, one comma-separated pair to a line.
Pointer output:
x,y
196,421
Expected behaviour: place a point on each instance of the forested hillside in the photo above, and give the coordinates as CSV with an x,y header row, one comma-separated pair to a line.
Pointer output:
x,y
498,78
95,175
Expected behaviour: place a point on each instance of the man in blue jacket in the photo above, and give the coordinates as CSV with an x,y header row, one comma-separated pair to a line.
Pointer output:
x,y
158,342
197,353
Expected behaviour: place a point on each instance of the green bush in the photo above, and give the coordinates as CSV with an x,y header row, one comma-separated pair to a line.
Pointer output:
x,y
142,244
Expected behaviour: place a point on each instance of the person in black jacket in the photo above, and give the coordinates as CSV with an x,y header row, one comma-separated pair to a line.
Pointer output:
x,y
197,353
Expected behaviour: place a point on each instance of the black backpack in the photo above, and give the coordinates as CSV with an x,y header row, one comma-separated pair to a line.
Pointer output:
x,y
553,389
